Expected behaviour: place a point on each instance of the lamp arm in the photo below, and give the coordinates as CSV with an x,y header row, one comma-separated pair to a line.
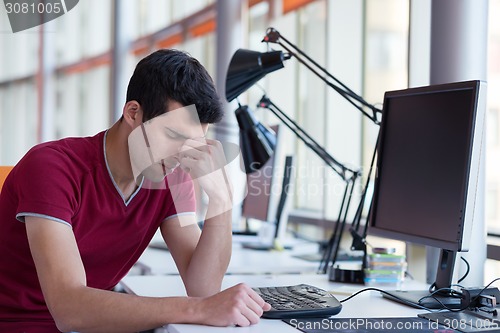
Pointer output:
x,y
346,89
338,167
331,252
273,36
359,239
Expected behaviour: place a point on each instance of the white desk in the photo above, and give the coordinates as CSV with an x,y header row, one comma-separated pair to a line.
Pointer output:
x,y
243,261
365,305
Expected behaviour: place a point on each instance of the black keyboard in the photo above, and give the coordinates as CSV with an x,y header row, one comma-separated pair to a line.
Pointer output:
x,y
298,301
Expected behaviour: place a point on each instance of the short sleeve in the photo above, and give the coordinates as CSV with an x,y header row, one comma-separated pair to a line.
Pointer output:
x,y
46,185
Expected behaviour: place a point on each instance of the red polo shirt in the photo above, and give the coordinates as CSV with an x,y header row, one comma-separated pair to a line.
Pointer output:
x,y
68,181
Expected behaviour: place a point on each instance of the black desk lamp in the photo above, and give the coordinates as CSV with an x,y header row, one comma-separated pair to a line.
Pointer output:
x,y
257,141
248,67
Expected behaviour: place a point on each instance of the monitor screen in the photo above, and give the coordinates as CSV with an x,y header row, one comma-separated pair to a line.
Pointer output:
x,y
426,175
428,164
262,198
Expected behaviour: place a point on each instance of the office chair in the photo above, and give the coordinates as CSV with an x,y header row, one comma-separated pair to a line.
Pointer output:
x,y
4,171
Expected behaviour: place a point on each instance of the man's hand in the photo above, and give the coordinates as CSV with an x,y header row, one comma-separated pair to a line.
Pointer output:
x,y
236,306
205,161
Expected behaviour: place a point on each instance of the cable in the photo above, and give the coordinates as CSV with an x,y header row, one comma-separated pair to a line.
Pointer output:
x,y
451,293
431,287
482,290
466,272
389,294
465,306
432,295
413,304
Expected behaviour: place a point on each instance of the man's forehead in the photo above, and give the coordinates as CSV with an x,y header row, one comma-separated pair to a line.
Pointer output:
x,y
184,112
183,120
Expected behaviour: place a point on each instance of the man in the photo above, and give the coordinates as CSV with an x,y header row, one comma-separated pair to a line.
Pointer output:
x,y
75,215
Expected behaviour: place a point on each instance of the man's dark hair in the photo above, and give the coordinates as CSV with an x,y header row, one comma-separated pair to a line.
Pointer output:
x,y
172,75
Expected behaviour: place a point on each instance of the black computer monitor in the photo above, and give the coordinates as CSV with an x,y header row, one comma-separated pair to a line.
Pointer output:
x,y
263,193
428,165
268,193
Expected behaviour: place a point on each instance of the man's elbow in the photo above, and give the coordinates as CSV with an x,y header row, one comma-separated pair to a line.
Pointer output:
x,y
65,314
67,322
63,326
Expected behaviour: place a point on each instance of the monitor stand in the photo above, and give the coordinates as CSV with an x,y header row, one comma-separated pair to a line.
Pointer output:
x,y
444,277
413,297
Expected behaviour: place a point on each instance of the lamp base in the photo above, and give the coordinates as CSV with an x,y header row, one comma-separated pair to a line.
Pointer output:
x,y
337,274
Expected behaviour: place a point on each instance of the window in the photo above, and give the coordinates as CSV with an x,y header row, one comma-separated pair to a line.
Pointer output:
x,y
492,134
82,103
83,32
150,16
367,60
493,121
18,93
19,119
492,206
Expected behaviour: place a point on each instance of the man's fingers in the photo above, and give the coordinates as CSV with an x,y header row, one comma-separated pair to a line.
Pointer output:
x,y
250,315
257,299
193,153
216,143
255,304
254,307
196,144
204,144
242,321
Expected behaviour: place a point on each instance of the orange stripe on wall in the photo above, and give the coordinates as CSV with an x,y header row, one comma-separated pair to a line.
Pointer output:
x,y
254,2
291,5
203,28
143,49
169,41
88,64
142,45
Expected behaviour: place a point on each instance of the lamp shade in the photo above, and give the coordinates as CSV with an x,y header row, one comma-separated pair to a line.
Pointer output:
x,y
257,142
247,67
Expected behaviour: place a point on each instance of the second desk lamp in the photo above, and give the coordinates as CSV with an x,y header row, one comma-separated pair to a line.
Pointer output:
x,y
257,142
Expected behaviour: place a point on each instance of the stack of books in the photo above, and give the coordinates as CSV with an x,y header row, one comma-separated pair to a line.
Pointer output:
x,y
387,270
